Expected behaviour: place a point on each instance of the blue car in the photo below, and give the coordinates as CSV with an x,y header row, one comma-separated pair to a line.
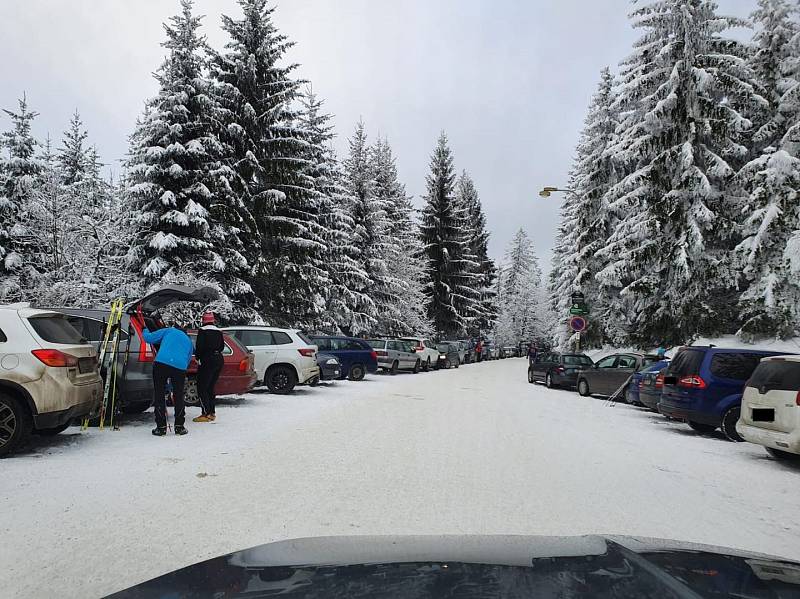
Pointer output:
x,y
703,386
356,356
632,391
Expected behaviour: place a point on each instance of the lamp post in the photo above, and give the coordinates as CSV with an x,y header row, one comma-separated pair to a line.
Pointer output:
x,y
545,193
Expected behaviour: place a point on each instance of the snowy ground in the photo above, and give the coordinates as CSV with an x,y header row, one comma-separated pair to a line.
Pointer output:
x,y
475,450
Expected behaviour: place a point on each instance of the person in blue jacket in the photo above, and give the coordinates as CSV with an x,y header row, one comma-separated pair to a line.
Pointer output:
x,y
172,360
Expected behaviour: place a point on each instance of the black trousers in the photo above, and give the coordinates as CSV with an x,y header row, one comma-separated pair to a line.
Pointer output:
x,y
162,372
207,375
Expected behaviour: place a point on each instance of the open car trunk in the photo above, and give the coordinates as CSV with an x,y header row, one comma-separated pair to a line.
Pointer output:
x,y
169,294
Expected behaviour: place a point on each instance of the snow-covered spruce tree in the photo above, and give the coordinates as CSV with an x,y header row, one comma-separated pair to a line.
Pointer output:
x,y
72,155
774,30
680,140
370,235
453,288
349,308
467,196
522,302
19,168
405,261
269,154
769,254
180,189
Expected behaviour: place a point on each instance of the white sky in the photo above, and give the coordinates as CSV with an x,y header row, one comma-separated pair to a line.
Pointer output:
x,y
509,80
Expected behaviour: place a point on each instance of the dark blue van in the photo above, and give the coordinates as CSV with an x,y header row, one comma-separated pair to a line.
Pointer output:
x,y
703,386
356,356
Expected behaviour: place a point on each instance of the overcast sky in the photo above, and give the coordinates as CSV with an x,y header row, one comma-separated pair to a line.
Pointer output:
x,y
508,80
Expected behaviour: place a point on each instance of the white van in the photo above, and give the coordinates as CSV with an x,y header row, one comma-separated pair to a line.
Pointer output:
x,y
771,407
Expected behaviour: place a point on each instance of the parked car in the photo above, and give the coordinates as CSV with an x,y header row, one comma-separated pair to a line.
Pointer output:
x,y
49,375
330,368
650,387
508,351
449,355
770,413
396,354
608,375
703,386
426,351
356,356
556,369
284,358
134,357
494,353
238,373
469,350
632,393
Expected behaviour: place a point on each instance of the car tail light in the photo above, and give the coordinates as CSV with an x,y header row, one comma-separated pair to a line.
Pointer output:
x,y
419,348
560,370
381,352
797,399
692,382
641,383
146,353
54,357
373,354
660,381
308,352
244,365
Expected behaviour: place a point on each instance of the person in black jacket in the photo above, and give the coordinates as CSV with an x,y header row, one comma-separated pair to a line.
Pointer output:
x,y
208,350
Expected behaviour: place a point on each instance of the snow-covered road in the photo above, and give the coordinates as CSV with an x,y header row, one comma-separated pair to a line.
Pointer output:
x,y
475,450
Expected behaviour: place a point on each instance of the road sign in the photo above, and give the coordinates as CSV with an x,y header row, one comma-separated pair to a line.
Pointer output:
x,y
578,310
577,323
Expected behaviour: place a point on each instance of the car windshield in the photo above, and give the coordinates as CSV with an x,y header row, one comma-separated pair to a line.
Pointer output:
x,y
499,216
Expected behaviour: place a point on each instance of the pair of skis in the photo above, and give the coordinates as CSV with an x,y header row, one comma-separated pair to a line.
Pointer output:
x,y
109,352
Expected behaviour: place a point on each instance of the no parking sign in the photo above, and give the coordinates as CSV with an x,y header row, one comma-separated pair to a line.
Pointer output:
x,y
577,324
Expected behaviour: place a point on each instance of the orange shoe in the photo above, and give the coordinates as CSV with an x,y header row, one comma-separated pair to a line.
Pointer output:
x,y
211,417
202,418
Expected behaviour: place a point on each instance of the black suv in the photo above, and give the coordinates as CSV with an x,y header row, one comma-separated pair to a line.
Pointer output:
x,y
558,370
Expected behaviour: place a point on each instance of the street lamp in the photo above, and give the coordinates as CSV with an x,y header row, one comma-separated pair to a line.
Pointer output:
x,y
545,193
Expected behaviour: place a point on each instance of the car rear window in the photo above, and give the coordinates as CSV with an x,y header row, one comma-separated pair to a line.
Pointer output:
x,y
281,338
736,366
577,360
688,361
56,329
782,375
3,337
377,343
303,337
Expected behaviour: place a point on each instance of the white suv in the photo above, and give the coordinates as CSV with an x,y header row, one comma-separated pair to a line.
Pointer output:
x,y
48,375
426,351
283,357
770,413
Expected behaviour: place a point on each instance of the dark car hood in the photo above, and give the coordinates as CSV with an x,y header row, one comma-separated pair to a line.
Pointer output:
x,y
169,294
480,566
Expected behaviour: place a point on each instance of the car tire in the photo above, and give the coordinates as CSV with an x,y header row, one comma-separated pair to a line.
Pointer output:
x,y
15,424
427,366
448,364
531,380
395,367
583,388
416,366
281,379
702,428
191,397
728,425
314,382
357,372
783,455
51,432
136,407
548,381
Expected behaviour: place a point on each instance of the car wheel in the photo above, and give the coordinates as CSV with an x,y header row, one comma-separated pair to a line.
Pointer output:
x,y
448,364
314,382
15,424
416,366
357,372
427,366
583,388
702,428
136,407
281,379
548,381
395,366
728,426
530,376
49,432
191,397
782,455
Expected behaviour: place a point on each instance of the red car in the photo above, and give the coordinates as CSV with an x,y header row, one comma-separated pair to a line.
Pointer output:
x,y
237,376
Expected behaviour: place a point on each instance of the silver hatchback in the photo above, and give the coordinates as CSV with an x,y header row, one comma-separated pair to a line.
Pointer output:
x,y
396,354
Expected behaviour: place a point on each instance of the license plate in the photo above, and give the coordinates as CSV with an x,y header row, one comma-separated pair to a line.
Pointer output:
x,y
86,365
